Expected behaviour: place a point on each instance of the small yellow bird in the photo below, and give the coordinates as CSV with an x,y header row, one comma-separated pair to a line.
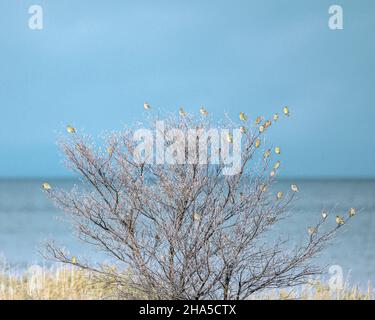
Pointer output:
x,y
196,216
46,186
110,151
340,220
294,188
229,138
286,111
70,129
146,106
203,111
277,165
324,215
272,173
352,212
279,195
74,260
243,129
267,153
277,150
243,116
182,112
276,117
311,230
258,120
261,129
257,143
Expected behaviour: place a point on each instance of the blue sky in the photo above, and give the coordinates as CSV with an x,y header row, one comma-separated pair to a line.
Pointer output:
x,y
96,62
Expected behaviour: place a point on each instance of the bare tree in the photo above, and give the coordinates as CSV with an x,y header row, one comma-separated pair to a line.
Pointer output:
x,y
185,231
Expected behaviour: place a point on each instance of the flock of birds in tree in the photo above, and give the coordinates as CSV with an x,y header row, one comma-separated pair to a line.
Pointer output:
x,y
196,216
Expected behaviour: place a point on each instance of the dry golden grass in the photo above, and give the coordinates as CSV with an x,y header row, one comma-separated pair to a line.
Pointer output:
x,y
319,291
74,284
52,284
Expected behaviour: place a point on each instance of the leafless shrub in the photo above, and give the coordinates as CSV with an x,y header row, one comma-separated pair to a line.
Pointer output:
x,y
184,231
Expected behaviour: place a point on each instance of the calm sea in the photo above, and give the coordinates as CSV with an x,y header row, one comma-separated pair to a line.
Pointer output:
x,y
27,219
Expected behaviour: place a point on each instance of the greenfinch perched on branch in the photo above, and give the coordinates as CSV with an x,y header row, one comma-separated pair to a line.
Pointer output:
x,y
257,143
243,116
340,220
286,111
182,112
110,151
311,230
258,120
46,186
277,165
351,212
267,153
294,188
70,129
203,111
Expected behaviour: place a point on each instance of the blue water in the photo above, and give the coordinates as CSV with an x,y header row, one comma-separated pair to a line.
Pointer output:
x,y
27,219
